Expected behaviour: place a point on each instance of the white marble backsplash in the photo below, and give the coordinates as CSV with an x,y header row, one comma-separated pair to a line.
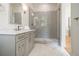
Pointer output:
x,y
8,27
13,27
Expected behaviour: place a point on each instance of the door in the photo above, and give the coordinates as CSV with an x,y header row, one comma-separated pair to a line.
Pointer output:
x,y
75,29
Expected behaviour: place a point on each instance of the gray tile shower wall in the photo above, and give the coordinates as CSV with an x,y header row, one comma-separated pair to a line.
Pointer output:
x,y
45,24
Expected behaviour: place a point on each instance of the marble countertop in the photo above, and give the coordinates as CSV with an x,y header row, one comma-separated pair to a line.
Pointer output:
x,y
13,32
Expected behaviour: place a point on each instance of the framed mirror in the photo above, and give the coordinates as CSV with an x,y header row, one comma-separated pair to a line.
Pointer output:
x,y
15,13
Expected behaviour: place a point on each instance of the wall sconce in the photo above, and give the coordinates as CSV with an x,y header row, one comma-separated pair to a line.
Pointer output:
x,y
24,12
25,8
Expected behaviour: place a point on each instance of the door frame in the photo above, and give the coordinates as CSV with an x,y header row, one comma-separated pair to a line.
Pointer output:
x,y
63,40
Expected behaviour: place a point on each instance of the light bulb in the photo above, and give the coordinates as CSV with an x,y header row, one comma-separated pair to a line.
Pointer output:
x,y
25,7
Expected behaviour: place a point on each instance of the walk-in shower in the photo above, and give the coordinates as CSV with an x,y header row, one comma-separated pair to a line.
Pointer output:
x,y
44,19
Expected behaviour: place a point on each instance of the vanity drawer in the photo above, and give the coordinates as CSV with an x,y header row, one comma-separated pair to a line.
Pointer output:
x,y
22,36
20,48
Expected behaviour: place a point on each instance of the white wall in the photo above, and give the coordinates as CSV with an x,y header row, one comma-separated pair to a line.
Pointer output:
x,y
4,15
65,14
74,29
25,18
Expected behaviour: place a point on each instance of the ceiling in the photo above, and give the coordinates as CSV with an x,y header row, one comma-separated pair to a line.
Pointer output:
x,y
38,7
43,6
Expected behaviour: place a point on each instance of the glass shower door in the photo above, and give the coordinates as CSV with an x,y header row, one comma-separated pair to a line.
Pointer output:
x,y
41,25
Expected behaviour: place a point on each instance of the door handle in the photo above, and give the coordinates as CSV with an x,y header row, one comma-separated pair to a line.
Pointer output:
x,y
77,18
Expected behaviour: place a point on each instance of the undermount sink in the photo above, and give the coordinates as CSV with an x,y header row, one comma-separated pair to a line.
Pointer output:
x,y
16,30
19,28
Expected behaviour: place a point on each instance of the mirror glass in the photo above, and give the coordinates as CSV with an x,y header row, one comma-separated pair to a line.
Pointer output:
x,y
15,13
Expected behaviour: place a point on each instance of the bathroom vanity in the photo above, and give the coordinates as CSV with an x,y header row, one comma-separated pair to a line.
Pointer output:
x,y
13,41
16,43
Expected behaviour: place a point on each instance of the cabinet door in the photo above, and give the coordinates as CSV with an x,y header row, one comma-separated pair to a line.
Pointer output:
x,y
31,40
27,47
20,48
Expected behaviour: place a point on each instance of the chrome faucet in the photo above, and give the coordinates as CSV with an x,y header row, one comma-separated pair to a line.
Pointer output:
x,y
18,28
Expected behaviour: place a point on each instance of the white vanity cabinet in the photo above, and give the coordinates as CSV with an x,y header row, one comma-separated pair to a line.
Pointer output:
x,y
16,45
22,44
31,41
